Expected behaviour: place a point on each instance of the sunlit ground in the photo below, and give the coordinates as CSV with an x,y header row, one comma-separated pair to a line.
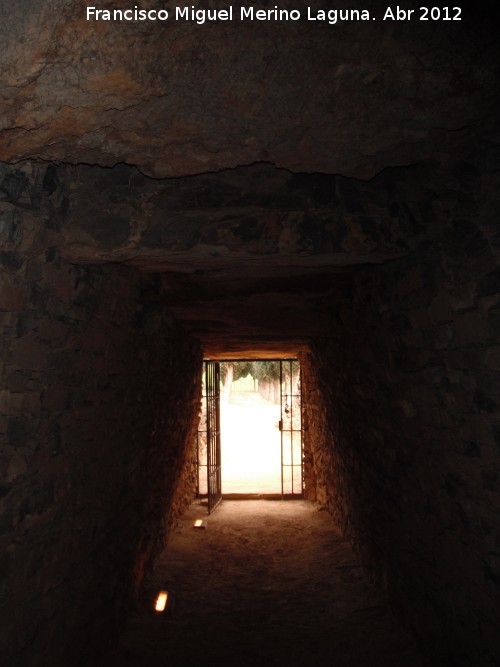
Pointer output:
x,y
250,443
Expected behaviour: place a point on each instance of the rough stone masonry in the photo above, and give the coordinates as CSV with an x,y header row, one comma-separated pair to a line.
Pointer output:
x,y
187,190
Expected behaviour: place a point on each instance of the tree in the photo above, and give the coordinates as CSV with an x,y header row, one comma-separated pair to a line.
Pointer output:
x,y
268,375
230,371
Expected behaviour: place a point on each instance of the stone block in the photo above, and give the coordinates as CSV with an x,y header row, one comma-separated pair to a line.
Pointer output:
x,y
494,322
52,330
463,298
56,398
492,357
443,336
17,429
30,353
13,295
489,284
8,319
12,464
10,403
15,381
31,402
57,281
440,309
469,328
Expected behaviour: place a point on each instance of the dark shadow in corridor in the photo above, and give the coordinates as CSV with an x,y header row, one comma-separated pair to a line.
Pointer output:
x,y
267,582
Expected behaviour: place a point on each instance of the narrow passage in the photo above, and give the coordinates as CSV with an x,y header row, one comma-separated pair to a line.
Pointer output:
x,y
266,583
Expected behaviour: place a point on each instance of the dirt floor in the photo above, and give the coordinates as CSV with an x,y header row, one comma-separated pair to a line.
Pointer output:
x,y
266,583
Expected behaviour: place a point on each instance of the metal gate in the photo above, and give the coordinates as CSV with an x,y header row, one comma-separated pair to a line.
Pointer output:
x,y
209,452
292,483
290,426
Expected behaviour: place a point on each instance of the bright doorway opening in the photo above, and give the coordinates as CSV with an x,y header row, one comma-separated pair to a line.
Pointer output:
x,y
252,443
250,436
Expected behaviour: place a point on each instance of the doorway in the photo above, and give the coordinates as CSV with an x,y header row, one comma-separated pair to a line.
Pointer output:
x,y
250,435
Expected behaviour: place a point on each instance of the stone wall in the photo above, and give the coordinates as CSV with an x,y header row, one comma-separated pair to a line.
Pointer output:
x,y
404,391
99,392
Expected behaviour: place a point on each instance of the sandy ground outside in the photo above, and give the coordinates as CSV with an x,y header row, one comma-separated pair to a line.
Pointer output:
x,y
250,444
268,583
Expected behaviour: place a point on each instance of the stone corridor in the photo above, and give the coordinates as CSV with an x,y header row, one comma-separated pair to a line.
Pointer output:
x,y
171,191
266,583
